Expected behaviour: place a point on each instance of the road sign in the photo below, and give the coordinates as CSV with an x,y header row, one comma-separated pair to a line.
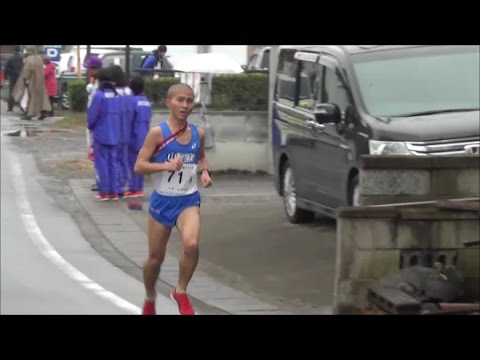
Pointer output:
x,y
53,51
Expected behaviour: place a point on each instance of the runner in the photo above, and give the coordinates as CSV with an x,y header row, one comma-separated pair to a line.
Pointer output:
x,y
174,152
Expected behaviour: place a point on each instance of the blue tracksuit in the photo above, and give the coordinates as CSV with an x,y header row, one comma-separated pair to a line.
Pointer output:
x,y
125,135
150,63
103,117
142,113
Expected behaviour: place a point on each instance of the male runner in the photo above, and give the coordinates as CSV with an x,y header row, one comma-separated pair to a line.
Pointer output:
x,y
174,153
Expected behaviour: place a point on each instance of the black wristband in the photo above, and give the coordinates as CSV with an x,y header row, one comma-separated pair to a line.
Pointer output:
x,y
208,171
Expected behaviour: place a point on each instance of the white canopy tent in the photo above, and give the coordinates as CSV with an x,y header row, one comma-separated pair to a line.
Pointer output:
x,y
195,67
209,63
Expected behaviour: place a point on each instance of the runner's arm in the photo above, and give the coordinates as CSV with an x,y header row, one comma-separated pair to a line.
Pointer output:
x,y
143,165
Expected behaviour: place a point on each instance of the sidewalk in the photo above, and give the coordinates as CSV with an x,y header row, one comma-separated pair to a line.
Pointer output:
x,y
114,221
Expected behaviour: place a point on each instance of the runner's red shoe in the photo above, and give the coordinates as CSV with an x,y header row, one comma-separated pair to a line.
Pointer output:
x,y
183,302
149,308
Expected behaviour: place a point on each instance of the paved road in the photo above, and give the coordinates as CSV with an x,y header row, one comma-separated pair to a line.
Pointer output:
x,y
47,267
247,245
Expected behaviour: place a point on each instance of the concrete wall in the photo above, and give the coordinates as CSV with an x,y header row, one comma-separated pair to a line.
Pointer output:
x,y
373,242
240,140
399,179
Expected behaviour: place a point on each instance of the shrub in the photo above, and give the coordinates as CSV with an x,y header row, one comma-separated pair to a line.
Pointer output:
x,y
229,92
78,95
240,92
156,89
232,92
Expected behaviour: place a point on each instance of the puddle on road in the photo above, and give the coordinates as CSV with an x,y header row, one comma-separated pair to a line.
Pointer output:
x,y
19,133
30,130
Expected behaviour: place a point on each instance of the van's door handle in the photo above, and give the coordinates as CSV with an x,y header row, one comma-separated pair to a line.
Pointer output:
x,y
315,125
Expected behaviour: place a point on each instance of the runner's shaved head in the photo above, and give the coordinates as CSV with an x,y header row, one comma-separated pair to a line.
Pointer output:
x,y
178,87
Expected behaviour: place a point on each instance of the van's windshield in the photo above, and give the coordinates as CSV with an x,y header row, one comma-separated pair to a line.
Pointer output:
x,y
423,80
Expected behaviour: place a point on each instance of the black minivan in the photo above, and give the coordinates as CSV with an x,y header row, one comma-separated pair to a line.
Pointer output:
x,y
334,103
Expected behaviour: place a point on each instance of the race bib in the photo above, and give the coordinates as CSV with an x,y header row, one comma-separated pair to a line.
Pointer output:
x,y
182,182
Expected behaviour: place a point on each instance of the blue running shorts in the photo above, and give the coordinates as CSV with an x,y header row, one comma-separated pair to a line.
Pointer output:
x,y
167,209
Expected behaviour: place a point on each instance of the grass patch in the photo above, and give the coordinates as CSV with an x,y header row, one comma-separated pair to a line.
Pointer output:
x,y
73,121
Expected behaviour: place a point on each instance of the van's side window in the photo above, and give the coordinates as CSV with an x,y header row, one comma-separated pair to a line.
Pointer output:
x,y
333,90
107,61
286,78
265,64
309,84
116,60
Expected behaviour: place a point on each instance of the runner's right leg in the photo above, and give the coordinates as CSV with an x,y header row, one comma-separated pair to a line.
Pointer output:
x,y
158,235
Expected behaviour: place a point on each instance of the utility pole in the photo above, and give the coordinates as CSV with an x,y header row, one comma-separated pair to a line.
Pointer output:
x,y
79,63
205,79
271,90
205,89
127,63
87,80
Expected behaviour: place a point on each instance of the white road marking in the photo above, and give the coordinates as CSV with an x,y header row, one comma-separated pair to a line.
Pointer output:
x,y
47,249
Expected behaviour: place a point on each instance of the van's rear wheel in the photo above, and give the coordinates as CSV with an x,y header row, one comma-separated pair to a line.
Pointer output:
x,y
293,213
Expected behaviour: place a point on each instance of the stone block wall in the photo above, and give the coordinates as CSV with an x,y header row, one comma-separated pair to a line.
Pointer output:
x,y
404,179
373,242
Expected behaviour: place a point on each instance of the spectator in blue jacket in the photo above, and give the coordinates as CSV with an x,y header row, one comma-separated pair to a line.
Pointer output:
x,y
142,114
126,118
153,61
103,118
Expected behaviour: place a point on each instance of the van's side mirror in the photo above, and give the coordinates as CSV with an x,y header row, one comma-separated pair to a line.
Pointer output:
x,y
244,67
327,113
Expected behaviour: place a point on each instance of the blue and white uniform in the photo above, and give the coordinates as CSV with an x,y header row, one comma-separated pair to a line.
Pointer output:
x,y
175,191
126,118
142,114
103,117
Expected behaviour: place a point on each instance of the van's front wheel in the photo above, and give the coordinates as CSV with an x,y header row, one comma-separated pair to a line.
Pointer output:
x,y
294,214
